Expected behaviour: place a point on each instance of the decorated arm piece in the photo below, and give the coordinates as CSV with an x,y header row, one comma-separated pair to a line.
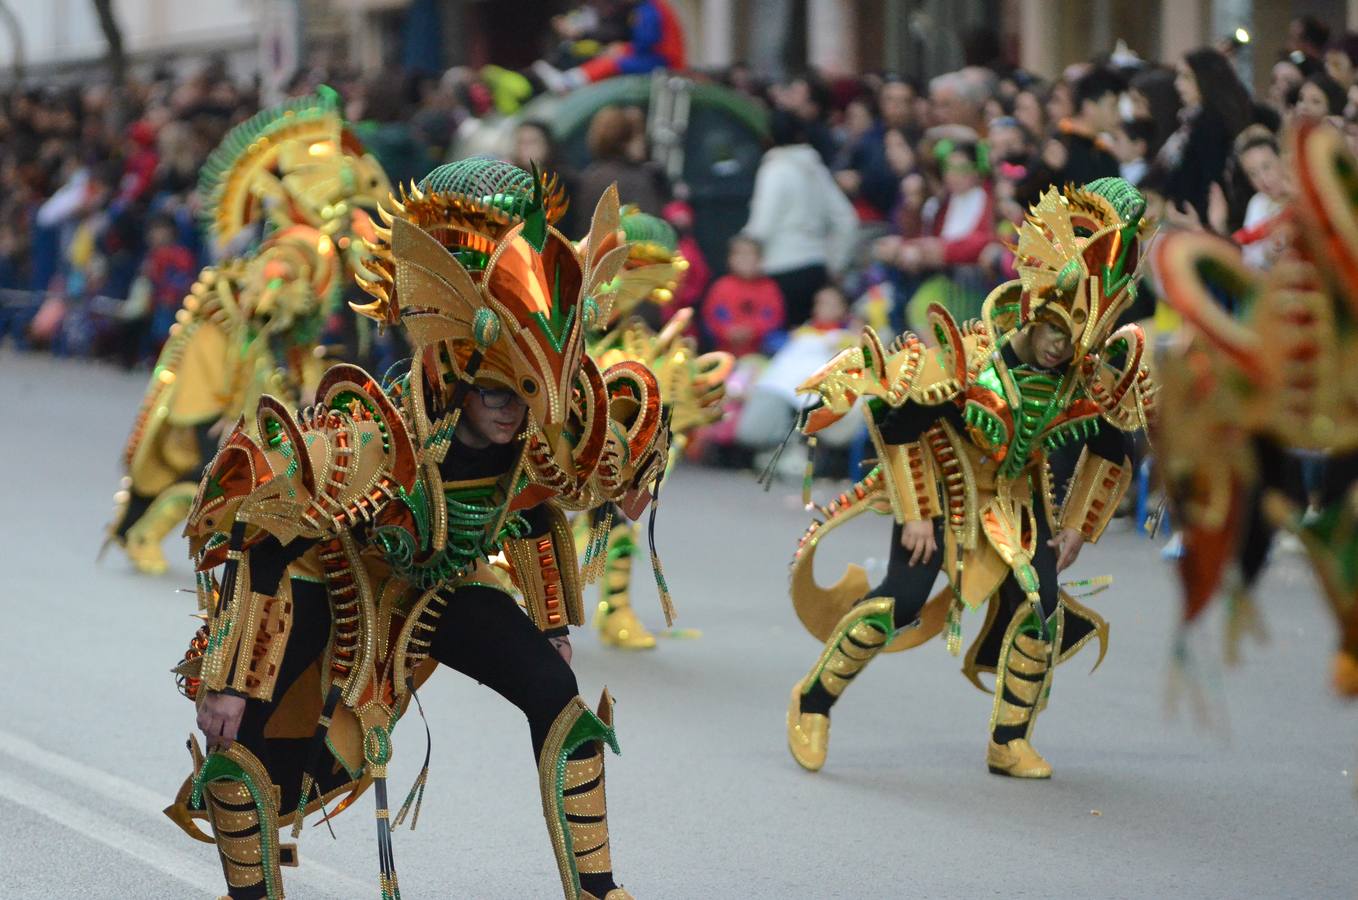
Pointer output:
x,y
546,573
308,480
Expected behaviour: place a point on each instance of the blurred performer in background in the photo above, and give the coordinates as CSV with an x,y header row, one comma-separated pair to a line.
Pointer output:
x,y
287,200
691,388
354,536
1265,365
963,436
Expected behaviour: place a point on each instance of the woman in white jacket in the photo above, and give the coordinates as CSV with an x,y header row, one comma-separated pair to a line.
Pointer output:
x,y
802,219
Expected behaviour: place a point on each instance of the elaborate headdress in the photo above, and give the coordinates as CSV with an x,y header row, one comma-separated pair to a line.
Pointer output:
x,y
296,161
471,264
1076,258
654,264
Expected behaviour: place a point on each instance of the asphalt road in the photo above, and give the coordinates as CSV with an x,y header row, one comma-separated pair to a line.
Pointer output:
x,y
705,801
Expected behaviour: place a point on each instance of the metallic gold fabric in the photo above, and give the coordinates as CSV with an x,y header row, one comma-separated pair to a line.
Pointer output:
x,y
572,791
1095,491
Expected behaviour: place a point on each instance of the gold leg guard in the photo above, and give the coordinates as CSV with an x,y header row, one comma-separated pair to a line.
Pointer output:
x,y
242,805
573,800
858,637
1022,682
144,538
616,621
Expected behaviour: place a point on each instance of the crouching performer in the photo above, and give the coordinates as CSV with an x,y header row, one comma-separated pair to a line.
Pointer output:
x,y
352,538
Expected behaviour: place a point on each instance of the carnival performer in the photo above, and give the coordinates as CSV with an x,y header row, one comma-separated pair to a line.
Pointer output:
x,y
286,201
354,535
1266,364
963,434
692,386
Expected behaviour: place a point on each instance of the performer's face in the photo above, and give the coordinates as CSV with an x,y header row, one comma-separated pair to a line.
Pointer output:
x,y
493,416
1050,344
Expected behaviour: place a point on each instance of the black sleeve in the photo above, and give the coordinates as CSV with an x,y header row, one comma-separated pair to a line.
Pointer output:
x,y
906,423
268,560
1111,443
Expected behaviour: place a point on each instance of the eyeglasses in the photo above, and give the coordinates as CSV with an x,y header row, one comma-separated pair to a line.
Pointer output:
x,y
499,398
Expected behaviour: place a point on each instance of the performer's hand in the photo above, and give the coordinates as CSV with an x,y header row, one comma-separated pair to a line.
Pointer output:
x,y
1067,542
219,718
563,646
918,538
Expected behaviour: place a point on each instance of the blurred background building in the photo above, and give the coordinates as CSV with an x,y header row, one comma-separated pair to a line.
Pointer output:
x,y
920,38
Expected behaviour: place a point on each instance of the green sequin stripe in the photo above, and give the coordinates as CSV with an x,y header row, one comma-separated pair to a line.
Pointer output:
x,y
881,621
470,512
221,768
1037,408
1081,429
986,422
589,727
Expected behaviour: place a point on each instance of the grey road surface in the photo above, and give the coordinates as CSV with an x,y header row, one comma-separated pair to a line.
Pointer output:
x,y
705,801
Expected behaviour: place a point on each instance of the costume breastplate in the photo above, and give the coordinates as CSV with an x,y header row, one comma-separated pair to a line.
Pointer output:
x,y
1013,411
474,509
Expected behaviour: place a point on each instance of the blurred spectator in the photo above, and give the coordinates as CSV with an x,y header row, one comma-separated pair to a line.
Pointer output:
x,y
1319,96
655,41
959,98
802,220
1309,36
1340,59
1131,146
169,272
743,307
866,177
611,140
773,403
1216,108
1079,153
958,227
1285,80
1256,151
1153,96
698,275
1029,112
807,98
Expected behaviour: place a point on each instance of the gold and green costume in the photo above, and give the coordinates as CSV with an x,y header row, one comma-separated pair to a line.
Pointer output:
x,y
691,389
344,549
965,432
251,324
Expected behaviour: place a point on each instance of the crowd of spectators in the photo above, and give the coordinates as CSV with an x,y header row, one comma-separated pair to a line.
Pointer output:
x,y
876,196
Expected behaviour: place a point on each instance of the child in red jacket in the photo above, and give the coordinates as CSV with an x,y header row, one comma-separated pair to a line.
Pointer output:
x,y
745,306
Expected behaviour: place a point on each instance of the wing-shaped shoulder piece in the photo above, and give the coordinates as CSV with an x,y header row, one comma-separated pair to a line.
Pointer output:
x,y
313,475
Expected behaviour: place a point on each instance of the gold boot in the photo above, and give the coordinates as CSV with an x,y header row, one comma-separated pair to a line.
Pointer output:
x,y
144,537
617,623
242,806
573,801
858,637
1022,682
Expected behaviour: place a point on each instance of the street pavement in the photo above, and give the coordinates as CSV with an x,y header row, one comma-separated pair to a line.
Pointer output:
x,y
705,801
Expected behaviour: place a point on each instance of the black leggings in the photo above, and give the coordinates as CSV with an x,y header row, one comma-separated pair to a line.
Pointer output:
x,y
911,586
482,634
